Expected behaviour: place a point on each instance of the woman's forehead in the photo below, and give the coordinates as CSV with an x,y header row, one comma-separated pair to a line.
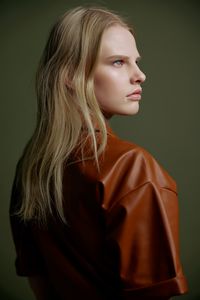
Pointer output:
x,y
118,40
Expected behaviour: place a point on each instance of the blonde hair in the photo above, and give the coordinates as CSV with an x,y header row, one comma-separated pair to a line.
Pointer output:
x,y
66,104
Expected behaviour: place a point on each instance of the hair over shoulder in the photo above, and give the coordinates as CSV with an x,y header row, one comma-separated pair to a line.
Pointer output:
x,y
66,104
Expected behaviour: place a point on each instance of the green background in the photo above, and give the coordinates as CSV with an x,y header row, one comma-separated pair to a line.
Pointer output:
x,y
167,125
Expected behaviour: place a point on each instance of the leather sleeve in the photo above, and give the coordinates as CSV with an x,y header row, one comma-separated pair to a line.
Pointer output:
x,y
143,226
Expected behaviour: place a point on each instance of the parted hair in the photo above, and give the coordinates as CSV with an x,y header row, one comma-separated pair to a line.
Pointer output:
x,y
66,104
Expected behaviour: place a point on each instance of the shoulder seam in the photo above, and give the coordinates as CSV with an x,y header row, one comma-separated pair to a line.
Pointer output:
x,y
138,187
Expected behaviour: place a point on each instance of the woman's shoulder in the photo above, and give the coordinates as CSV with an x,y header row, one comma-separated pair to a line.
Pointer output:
x,y
128,166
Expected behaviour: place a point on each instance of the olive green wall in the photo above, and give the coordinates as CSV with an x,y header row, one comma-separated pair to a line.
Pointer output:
x,y
167,124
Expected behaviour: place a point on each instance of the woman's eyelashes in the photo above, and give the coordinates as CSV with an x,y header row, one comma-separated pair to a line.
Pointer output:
x,y
121,62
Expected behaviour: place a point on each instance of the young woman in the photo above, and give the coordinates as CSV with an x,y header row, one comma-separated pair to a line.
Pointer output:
x,y
93,216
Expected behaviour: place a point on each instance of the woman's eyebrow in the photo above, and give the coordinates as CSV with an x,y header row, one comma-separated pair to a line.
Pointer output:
x,y
138,58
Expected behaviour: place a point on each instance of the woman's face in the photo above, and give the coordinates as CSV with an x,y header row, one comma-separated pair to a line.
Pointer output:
x,y
117,75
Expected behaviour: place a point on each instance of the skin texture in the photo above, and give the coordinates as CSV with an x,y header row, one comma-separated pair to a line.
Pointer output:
x,y
117,73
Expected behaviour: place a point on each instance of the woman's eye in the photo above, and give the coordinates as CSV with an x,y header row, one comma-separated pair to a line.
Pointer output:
x,y
118,62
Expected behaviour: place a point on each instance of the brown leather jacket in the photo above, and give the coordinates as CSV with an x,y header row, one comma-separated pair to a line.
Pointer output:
x,y
121,241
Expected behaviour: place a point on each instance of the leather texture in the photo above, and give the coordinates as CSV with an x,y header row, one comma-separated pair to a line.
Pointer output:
x,y
122,237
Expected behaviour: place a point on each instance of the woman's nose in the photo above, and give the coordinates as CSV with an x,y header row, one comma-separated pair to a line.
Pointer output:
x,y
138,76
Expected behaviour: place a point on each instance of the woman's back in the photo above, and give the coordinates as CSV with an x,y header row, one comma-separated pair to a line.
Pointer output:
x,y
121,237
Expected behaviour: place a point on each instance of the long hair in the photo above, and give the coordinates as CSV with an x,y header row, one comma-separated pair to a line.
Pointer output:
x,y
66,104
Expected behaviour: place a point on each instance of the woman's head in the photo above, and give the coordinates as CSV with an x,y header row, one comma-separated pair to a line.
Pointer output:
x,y
68,62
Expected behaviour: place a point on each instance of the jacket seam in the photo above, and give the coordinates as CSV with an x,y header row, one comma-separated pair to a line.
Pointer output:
x,y
138,187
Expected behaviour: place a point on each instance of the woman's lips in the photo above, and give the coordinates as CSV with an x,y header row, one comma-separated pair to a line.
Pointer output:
x,y
136,95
